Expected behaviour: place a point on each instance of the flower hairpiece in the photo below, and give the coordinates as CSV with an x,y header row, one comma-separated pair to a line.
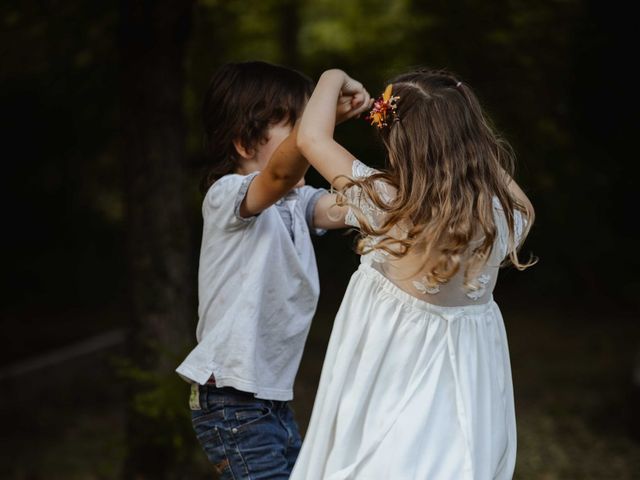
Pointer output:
x,y
382,107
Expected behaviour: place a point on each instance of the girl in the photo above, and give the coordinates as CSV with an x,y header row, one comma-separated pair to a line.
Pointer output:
x,y
251,329
416,383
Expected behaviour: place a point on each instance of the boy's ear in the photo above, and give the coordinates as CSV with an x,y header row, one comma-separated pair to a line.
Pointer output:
x,y
243,152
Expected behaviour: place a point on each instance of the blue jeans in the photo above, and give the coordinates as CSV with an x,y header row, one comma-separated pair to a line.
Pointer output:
x,y
245,438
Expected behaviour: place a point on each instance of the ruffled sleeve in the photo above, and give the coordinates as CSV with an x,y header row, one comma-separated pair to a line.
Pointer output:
x,y
519,226
357,200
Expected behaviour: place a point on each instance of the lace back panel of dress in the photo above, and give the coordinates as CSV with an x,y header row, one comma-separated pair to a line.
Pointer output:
x,y
403,272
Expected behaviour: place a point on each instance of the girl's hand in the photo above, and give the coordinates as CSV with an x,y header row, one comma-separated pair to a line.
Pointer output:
x,y
353,99
315,134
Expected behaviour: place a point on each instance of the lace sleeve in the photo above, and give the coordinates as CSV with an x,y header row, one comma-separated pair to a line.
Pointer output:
x,y
358,201
519,226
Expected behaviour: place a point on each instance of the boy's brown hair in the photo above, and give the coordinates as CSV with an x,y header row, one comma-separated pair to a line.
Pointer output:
x,y
241,102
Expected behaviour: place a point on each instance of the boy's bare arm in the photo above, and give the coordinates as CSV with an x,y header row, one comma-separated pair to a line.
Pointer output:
x,y
327,215
283,171
287,165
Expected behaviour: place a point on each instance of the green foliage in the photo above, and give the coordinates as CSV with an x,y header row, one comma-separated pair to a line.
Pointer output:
x,y
161,396
529,63
537,67
548,72
372,33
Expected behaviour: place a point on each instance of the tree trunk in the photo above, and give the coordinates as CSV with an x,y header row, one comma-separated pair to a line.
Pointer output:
x,y
288,12
153,36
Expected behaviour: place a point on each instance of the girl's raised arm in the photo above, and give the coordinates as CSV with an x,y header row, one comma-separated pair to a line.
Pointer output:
x,y
287,165
315,132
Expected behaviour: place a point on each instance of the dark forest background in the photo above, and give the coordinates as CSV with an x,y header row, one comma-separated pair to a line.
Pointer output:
x,y
101,154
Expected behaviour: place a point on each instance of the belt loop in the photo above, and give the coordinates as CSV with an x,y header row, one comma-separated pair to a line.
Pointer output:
x,y
203,395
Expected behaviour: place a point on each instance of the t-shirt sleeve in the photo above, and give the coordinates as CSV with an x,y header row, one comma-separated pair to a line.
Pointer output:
x,y
222,202
356,200
308,198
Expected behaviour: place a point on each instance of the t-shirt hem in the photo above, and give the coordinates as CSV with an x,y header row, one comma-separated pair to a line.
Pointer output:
x,y
201,377
259,392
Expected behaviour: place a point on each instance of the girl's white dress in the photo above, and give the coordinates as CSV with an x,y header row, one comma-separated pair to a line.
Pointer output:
x,y
414,385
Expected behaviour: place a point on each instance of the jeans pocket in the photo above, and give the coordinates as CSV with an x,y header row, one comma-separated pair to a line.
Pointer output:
x,y
246,415
207,418
209,429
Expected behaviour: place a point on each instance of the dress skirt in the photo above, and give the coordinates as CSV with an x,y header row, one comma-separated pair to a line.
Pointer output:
x,y
411,390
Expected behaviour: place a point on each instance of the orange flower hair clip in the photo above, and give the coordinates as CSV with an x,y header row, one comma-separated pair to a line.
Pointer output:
x,y
382,107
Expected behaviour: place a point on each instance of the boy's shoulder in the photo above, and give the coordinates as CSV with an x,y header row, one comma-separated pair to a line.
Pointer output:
x,y
225,191
227,185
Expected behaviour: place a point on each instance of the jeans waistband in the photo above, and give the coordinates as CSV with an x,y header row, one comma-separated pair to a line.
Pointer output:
x,y
230,395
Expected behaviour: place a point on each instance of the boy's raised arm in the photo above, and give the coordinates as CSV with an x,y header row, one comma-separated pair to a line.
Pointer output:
x,y
283,171
287,164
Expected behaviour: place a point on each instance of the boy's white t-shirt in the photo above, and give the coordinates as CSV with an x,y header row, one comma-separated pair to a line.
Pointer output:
x,y
257,288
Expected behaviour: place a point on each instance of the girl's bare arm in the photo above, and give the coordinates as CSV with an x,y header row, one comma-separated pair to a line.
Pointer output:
x,y
287,165
315,133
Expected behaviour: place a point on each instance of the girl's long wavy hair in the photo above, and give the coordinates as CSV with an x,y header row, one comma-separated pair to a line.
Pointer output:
x,y
447,164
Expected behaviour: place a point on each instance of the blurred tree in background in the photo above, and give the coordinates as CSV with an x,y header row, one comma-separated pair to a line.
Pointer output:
x,y
102,154
542,70
153,39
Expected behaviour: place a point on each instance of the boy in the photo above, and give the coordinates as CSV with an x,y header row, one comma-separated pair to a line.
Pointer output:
x,y
258,280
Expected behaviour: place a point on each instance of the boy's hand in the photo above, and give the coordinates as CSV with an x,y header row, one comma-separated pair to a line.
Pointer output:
x,y
352,101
